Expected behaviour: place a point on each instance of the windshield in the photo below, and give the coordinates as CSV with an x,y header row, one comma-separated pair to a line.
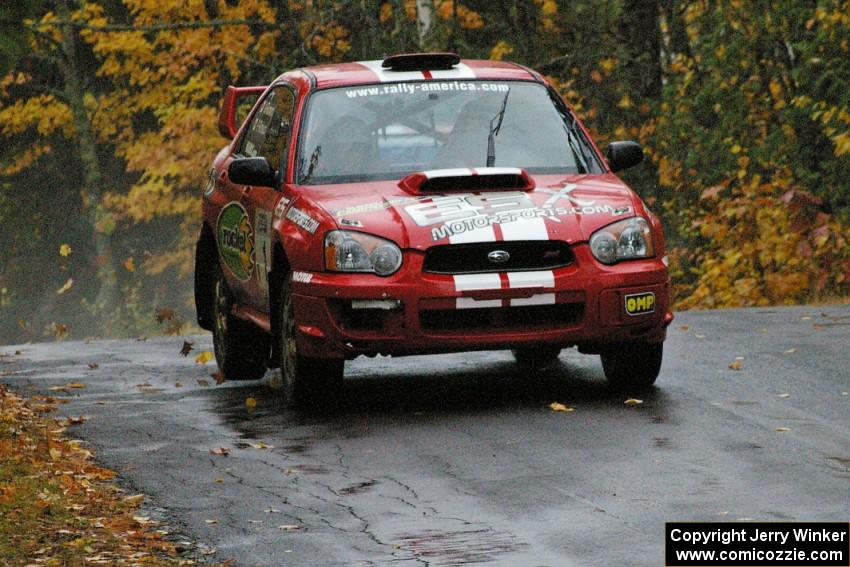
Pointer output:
x,y
387,131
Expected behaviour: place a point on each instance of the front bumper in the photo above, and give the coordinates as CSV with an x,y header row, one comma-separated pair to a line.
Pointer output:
x,y
583,303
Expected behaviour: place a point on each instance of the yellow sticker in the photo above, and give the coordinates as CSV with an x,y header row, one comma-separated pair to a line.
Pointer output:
x,y
640,303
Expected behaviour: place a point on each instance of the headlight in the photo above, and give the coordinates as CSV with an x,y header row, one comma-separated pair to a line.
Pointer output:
x,y
624,240
350,251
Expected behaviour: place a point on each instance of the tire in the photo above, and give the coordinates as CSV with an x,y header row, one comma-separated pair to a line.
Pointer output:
x,y
632,367
538,356
241,349
303,381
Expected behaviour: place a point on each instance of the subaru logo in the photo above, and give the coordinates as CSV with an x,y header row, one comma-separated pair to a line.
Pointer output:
x,y
498,256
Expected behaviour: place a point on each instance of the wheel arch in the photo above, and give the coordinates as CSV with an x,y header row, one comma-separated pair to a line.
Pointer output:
x,y
280,270
206,260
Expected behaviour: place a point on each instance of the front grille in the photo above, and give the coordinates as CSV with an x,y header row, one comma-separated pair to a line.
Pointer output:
x,y
473,258
502,318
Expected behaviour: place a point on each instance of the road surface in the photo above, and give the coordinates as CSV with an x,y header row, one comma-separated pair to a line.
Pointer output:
x,y
457,459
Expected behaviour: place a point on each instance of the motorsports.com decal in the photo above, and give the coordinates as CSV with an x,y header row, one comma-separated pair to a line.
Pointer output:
x,y
235,240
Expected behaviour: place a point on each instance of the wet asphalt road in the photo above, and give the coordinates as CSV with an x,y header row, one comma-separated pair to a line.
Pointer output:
x,y
457,459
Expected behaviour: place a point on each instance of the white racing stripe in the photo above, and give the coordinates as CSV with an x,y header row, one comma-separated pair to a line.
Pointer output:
x,y
543,278
525,229
485,234
387,76
469,282
539,299
460,71
472,303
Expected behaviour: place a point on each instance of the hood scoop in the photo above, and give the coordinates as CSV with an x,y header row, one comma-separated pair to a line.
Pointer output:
x,y
467,179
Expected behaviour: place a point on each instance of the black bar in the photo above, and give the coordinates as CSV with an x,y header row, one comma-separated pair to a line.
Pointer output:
x,y
757,544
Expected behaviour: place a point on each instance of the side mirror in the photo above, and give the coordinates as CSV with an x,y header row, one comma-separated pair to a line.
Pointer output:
x,y
256,171
622,155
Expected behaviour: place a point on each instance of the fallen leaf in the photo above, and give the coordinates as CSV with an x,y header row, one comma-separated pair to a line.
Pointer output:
x,y
133,500
186,348
289,527
699,336
55,454
784,395
633,402
211,521
143,520
223,451
782,429
202,382
144,385
806,318
204,357
94,365
219,480
791,351
130,264
218,377
255,521
65,250
736,364
260,445
75,420
559,407
684,328
272,511
164,314
178,385
845,393
75,385
66,286
250,403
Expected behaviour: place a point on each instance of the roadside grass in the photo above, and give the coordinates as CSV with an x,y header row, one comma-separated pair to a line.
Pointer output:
x,y
57,508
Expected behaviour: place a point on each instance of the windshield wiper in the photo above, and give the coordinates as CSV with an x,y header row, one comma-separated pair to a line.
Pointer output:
x,y
494,131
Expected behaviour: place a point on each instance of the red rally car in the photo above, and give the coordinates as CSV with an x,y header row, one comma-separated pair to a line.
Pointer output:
x,y
423,204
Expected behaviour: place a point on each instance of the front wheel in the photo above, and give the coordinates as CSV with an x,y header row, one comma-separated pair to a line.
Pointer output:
x,y
302,380
632,366
241,349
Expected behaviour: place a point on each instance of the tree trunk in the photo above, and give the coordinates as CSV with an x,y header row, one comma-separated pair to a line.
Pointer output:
x,y
106,300
423,20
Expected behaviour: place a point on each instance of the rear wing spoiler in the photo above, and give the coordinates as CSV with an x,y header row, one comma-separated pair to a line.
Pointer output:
x,y
227,116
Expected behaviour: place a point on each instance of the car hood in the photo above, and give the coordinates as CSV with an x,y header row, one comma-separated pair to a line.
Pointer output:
x,y
568,208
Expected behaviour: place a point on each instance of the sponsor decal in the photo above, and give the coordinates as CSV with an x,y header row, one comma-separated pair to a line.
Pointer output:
x,y
640,303
236,240
351,222
302,277
302,219
372,207
263,247
280,208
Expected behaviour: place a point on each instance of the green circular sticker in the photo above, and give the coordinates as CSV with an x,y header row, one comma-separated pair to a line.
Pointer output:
x,y
235,240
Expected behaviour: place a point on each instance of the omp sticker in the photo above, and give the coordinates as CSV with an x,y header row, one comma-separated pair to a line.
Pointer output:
x,y
640,303
280,208
262,245
235,240
302,277
302,219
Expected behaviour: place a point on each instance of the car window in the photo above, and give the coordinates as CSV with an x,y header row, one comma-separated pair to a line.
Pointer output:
x,y
268,133
386,131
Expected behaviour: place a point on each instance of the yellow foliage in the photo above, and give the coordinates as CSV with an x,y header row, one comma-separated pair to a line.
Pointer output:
x,y
500,50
